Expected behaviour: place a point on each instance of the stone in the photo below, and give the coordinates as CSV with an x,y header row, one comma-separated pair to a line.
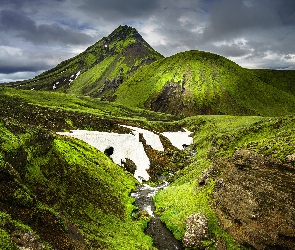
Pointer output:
x,y
254,200
290,158
197,231
26,240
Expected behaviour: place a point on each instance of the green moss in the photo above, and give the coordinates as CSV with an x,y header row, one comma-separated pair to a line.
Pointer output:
x,y
5,241
22,197
213,85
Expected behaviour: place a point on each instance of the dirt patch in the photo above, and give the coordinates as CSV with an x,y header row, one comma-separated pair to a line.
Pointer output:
x,y
255,199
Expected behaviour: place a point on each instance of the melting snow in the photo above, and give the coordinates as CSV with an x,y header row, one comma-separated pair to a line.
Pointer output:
x,y
178,139
128,145
125,146
78,73
149,210
151,138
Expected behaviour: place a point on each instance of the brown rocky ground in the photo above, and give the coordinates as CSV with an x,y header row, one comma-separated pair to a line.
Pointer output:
x,y
254,199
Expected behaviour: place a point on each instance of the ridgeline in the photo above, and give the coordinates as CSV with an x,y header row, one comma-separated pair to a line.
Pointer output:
x,y
58,192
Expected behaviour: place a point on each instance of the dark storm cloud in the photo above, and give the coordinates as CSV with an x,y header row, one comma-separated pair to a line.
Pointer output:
x,y
112,10
232,18
24,27
22,62
286,11
9,69
38,34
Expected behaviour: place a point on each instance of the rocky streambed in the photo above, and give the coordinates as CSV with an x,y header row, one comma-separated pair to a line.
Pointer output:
x,y
162,237
133,146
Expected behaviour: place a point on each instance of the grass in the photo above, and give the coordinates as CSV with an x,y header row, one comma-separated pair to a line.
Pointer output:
x,y
213,85
74,180
268,136
83,104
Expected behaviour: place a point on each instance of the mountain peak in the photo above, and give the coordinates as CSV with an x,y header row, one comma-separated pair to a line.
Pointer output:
x,y
123,33
100,68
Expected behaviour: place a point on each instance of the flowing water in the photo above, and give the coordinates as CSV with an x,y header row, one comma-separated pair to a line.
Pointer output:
x,y
133,149
162,237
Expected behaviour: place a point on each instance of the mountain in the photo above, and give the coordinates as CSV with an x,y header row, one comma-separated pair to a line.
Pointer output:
x,y
280,79
197,82
238,175
101,68
124,68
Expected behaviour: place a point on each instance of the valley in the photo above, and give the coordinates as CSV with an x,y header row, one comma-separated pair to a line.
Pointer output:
x,y
209,143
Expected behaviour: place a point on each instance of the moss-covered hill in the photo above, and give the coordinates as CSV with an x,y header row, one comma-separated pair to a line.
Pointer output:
x,y
58,192
100,68
196,82
243,180
280,79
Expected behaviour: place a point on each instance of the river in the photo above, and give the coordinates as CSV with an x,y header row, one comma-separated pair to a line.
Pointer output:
x,y
163,238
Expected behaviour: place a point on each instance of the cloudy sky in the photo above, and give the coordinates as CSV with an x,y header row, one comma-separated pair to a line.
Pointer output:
x,y
35,35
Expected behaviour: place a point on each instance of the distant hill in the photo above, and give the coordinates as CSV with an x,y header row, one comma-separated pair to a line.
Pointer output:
x,y
280,79
197,82
100,68
124,68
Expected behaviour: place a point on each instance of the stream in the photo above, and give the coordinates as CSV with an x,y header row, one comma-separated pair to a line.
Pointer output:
x,y
120,147
163,238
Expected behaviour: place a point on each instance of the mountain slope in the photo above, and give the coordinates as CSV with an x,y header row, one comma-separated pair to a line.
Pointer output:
x,y
196,82
280,79
100,68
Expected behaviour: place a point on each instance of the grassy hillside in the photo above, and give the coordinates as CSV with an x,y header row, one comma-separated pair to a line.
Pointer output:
x,y
100,68
197,82
17,99
217,138
280,79
67,194
58,192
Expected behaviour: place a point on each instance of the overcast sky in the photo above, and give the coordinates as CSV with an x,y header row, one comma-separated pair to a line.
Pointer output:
x,y
35,35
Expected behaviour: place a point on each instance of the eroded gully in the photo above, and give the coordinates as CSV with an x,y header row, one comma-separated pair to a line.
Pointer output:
x,y
163,238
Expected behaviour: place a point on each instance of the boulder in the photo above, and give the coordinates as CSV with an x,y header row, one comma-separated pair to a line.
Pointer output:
x,y
26,240
290,158
196,232
254,199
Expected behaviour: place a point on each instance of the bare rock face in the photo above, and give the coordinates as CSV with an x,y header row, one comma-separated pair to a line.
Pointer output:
x,y
26,241
196,231
255,199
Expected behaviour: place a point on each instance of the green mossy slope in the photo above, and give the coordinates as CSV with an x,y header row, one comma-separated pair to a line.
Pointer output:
x,y
66,192
280,79
217,137
111,60
196,82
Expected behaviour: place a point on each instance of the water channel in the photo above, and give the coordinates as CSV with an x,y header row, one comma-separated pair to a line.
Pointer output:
x,y
133,149
163,238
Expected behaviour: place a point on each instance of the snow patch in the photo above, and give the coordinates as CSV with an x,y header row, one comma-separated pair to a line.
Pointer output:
x,y
151,138
78,73
149,210
125,146
128,146
178,139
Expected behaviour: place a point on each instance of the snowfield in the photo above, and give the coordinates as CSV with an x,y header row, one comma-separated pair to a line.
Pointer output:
x,y
128,145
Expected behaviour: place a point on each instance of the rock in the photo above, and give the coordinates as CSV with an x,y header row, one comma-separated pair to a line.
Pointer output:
x,y
26,240
254,197
208,173
196,231
290,158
